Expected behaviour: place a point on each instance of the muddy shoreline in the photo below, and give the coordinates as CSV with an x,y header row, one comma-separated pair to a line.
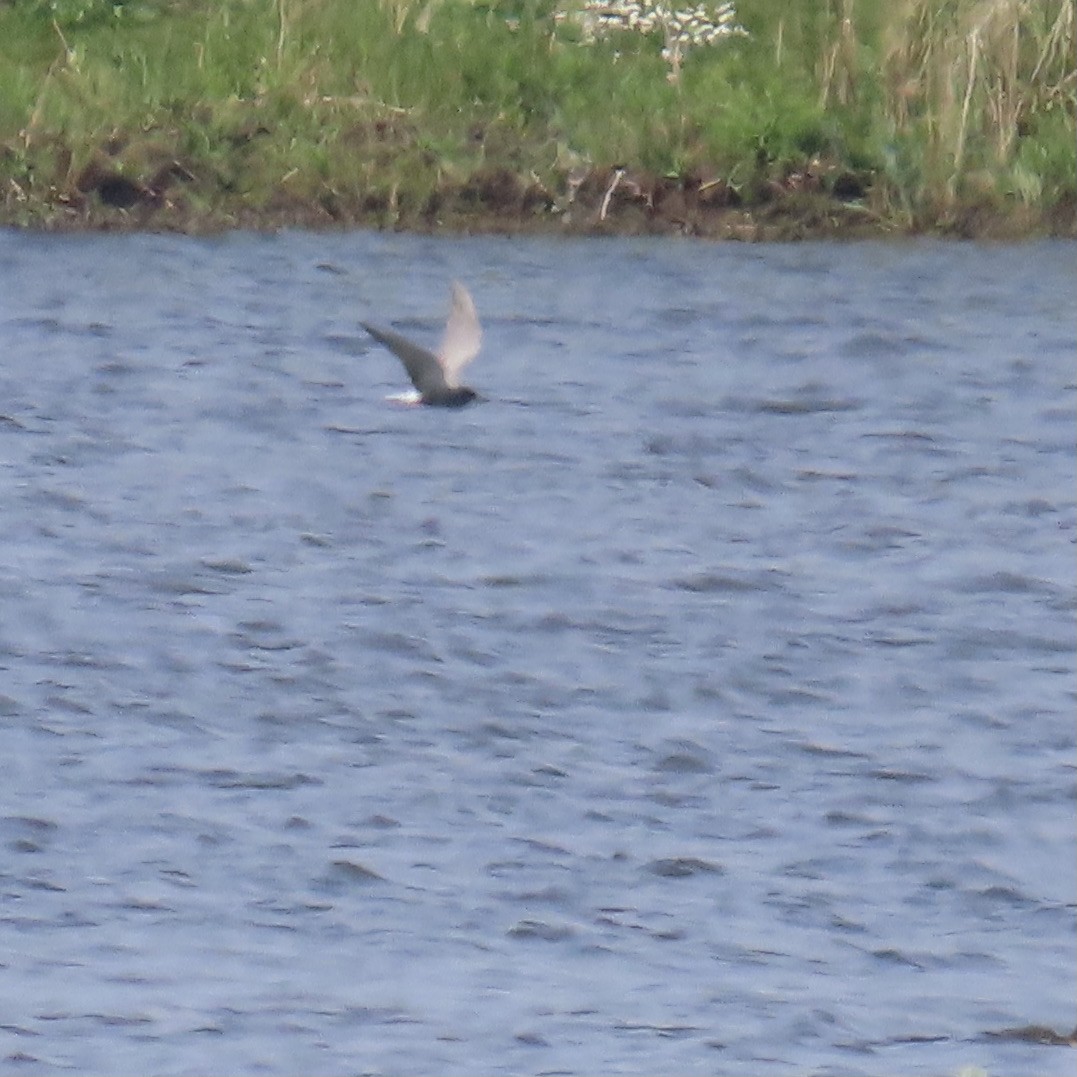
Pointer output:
x,y
603,202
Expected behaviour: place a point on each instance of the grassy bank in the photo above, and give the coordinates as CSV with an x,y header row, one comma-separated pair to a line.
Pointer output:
x,y
829,117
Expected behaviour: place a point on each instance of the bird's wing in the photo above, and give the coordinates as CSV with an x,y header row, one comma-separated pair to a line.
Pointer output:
x,y
463,334
423,367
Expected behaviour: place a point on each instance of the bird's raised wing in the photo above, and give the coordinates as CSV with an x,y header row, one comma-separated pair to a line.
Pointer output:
x,y
463,335
423,367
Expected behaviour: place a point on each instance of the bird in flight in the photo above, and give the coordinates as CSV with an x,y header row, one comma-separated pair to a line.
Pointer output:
x,y
436,376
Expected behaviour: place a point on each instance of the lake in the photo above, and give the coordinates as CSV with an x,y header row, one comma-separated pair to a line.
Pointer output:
x,y
701,700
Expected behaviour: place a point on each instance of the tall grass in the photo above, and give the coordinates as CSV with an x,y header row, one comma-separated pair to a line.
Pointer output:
x,y
979,96
946,102
930,105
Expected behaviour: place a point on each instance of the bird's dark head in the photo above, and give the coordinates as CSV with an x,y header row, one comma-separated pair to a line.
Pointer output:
x,y
456,397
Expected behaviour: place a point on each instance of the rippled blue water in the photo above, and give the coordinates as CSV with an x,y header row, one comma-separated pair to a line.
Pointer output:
x,y
702,701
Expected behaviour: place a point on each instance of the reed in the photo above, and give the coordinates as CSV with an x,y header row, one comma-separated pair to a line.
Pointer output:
x,y
980,95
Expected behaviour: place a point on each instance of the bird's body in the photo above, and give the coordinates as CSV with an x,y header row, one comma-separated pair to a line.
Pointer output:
x,y
436,376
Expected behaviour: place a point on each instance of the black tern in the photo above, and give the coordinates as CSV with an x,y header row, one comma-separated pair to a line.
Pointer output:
x,y
436,377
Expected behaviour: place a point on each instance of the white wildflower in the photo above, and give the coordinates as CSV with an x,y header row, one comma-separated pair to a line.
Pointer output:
x,y
705,24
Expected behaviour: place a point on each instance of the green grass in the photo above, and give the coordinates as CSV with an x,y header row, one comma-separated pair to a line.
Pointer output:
x,y
393,111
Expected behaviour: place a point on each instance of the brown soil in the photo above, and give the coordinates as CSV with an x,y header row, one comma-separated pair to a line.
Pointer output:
x,y
155,191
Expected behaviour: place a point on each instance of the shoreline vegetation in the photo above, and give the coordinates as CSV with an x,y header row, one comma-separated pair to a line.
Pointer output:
x,y
776,119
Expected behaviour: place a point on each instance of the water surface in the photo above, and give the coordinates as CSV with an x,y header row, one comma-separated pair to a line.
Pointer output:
x,y
700,702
